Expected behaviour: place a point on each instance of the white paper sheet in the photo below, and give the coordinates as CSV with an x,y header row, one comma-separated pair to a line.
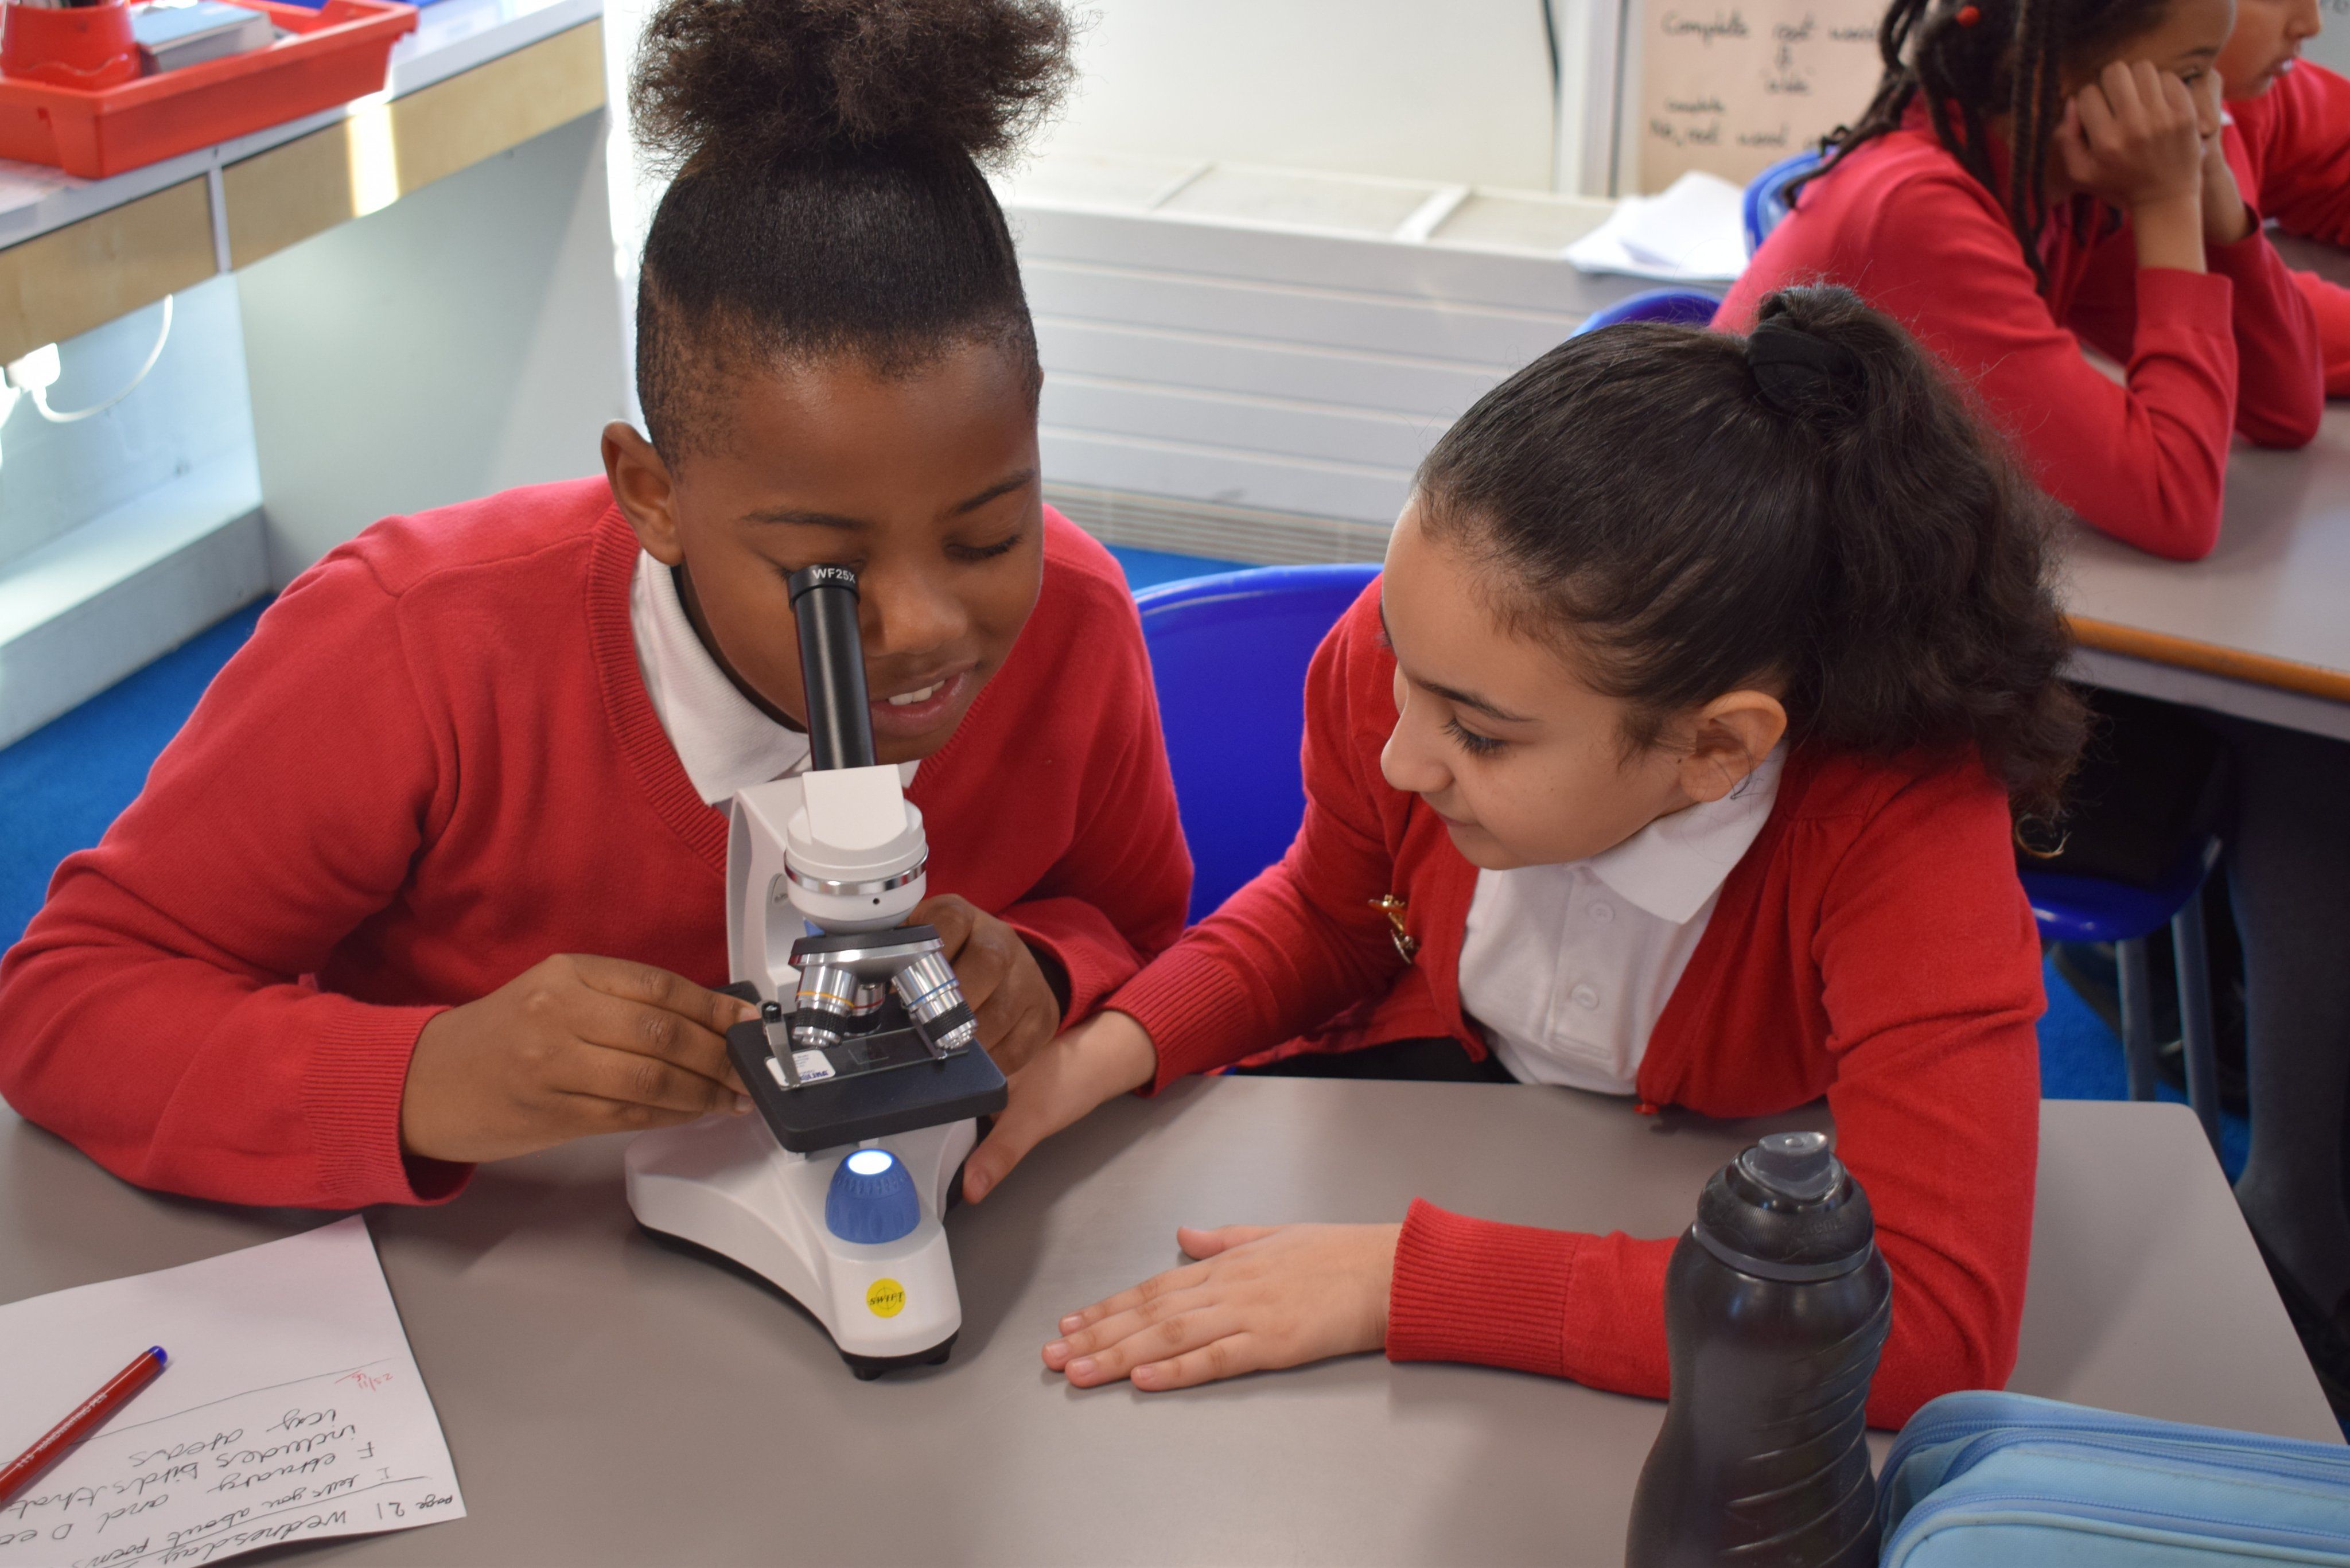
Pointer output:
x,y
1694,232
291,1410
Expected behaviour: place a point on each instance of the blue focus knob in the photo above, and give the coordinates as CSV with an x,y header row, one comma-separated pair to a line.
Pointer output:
x,y
872,1198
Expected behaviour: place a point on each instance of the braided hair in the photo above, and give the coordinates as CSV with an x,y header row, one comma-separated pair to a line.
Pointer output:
x,y
1972,59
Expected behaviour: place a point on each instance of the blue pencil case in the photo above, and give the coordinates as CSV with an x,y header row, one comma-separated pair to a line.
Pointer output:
x,y
1983,1478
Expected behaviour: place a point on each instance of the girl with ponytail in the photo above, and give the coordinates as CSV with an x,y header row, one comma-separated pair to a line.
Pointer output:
x,y
436,873
2032,175
1672,757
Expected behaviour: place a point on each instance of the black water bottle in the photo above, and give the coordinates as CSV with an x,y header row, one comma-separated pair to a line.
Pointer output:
x,y
1776,1304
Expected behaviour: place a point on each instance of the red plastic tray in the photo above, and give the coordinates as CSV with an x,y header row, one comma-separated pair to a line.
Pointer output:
x,y
336,54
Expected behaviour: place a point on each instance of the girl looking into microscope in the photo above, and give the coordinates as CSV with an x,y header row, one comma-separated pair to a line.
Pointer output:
x,y
436,872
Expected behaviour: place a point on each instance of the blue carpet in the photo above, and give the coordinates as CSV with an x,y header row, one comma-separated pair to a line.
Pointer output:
x,y
2081,1059
61,785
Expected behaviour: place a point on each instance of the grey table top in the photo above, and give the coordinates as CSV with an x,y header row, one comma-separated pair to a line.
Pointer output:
x,y
2272,593
610,1400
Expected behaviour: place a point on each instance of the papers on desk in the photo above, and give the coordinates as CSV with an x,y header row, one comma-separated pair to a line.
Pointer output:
x,y
291,1410
1694,233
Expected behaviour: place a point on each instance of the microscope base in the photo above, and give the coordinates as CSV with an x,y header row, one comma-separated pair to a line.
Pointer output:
x,y
869,1368
723,1184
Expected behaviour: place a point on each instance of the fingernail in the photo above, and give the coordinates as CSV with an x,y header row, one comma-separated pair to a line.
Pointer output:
x,y
1083,1366
742,1104
974,1187
1074,1322
1058,1348
1143,1374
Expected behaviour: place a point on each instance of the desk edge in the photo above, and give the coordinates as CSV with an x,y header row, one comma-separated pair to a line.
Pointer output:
x,y
2234,664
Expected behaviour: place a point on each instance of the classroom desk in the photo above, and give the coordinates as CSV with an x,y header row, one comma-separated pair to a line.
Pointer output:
x,y
610,1400
2256,628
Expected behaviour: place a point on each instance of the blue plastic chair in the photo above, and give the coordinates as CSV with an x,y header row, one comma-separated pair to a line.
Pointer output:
x,y
1766,194
1227,654
1686,306
2092,910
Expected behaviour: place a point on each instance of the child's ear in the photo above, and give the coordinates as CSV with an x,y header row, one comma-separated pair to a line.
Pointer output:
x,y
642,486
1729,740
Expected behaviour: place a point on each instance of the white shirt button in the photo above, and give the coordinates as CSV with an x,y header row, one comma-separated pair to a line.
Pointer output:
x,y
1602,913
1585,996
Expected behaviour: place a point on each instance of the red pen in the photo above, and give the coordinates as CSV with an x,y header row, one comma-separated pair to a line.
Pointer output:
x,y
93,1413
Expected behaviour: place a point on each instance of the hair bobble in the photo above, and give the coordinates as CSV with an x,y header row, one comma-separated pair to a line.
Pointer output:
x,y
1798,372
1969,16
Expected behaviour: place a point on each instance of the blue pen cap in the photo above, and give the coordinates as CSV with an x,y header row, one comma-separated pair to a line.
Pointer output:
x,y
872,1198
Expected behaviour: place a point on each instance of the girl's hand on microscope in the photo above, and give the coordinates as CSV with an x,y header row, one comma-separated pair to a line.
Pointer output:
x,y
1258,1297
571,1047
1018,1010
1097,1061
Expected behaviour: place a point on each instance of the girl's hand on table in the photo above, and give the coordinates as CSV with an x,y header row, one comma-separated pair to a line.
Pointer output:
x,y
1097,1061
1259,1297
570,1046
1018,1010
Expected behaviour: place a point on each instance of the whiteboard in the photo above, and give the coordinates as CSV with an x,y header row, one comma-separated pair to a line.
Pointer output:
x,y
1730,88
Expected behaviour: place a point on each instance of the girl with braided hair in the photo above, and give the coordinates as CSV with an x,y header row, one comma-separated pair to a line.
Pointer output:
x,y
2009,145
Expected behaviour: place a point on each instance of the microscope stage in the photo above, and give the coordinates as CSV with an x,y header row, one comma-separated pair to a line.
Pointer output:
x,y
880,1084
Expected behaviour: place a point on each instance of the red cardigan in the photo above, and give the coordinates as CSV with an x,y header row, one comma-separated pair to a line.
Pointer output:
x,y
435,764
2231,350
2291,146
1873,946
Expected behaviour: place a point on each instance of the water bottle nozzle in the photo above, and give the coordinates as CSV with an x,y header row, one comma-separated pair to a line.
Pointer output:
x,y
1794,1164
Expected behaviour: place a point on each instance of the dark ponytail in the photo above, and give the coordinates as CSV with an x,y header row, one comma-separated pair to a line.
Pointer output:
x,y
1684,512
827,197
1971,60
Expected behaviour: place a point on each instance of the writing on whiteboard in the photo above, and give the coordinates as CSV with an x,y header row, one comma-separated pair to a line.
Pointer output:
x,y
1732,88
1676,26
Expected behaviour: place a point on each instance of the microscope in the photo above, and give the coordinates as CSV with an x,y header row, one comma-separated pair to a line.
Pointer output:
x,y
865,1063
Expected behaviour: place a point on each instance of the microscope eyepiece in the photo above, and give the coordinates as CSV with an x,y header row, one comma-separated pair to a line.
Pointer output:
x,y
821,576
832,666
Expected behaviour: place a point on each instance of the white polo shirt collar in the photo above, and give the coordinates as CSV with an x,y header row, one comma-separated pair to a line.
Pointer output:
x,y
1673,865
722,738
